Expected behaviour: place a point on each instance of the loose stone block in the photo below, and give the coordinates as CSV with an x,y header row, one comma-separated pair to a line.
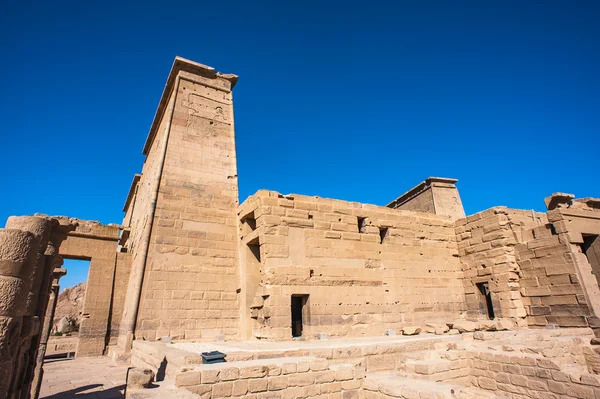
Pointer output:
x,y
138,378
411,330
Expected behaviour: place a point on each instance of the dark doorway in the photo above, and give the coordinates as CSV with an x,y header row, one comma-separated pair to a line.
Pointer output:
x,y
298,302
485,302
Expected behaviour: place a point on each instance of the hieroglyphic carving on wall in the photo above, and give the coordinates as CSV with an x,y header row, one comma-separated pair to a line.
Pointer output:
x,y
199,106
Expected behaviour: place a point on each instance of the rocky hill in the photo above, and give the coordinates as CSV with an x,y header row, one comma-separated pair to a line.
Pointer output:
x,y
70,303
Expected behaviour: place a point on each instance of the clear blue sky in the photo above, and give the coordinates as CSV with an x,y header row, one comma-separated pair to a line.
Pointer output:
x,y
352,100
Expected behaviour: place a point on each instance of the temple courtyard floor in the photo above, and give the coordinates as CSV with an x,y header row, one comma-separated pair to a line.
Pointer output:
x,y
85,377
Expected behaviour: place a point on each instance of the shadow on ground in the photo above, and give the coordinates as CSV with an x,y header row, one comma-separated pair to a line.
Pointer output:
x,y
79,393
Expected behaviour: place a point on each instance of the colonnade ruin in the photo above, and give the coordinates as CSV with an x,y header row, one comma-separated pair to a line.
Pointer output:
x,y
307,296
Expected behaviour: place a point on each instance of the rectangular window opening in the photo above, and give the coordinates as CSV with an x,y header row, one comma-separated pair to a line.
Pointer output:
x,y
248,224
486,305
383,234
255,250
362,223
298,311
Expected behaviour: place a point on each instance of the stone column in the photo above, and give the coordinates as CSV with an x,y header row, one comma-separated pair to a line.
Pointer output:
x,y
46,329
22,245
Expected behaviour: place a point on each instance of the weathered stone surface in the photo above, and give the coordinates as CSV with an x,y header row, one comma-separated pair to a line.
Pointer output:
x,y
465,326
139,378
411,330
437,328
504,324
487,325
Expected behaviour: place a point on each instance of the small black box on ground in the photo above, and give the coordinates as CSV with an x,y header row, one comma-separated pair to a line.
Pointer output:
x,y
213,357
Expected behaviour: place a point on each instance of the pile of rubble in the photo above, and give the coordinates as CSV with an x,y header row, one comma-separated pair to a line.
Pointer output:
x,y
458,327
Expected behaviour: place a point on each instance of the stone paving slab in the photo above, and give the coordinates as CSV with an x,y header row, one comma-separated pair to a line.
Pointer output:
x,y
84,377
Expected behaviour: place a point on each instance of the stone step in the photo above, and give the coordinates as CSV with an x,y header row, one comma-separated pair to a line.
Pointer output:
x,y
448,366
162,359
428,366
162,390
290,377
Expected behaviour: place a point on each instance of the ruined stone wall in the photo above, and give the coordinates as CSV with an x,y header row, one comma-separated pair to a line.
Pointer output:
x,y
530,265
486,245
558,280
190,279
577,227
364,268
550,284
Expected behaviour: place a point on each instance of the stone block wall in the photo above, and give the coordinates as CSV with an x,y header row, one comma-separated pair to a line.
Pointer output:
x,y
486,245
294,377
533,264
530,376
363,268
578,228
559,281
550,283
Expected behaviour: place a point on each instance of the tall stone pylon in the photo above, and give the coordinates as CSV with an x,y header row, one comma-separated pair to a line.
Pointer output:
x,y
182,218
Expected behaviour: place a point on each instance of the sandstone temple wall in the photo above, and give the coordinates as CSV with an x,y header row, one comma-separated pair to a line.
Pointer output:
x,y
550,284
486,245
363,268
559,279
534,264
